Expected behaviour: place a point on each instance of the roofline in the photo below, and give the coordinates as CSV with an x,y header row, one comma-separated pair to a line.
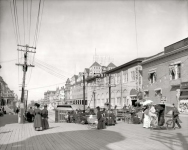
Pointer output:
x,y
137,60
165,54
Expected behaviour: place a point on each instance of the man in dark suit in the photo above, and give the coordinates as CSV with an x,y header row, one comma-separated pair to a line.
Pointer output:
x,y
175,117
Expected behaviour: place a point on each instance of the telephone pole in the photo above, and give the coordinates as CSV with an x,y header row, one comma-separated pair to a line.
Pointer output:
x,y
25,66
109,91
84,90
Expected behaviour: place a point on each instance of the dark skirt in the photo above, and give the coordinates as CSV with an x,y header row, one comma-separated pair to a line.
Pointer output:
x,y
37,121
45,124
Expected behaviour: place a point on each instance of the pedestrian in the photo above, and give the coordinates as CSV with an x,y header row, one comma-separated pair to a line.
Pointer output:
x,y
44,114
147,121
115,114
104,118
100,119
30,114
17,110
37,119
153,116
175,117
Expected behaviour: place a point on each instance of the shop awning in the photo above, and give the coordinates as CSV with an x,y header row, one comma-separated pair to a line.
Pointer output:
x,y
183,97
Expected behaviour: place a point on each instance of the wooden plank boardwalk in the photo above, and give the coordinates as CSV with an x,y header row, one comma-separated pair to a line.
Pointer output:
x,y
70,136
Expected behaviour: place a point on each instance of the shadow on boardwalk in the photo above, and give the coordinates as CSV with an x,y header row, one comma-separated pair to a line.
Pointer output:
x,y
80,140
171,141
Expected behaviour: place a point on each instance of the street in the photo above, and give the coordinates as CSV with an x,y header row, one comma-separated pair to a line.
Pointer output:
x,y
77,136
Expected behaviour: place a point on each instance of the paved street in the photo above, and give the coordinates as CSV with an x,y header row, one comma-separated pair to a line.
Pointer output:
x,y
76,136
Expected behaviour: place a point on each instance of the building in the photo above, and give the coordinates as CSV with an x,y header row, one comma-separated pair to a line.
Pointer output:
x,y
7,95
165,73
49,97
125,81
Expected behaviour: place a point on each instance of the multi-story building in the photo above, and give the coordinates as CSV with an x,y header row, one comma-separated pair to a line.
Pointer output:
x,y
62,95
49,97
126,82
7,95
67,90
165,73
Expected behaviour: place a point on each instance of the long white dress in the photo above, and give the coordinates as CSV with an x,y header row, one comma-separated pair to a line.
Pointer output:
x,y
147,120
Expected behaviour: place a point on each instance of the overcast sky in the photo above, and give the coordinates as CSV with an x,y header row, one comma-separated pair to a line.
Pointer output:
x,y
70,31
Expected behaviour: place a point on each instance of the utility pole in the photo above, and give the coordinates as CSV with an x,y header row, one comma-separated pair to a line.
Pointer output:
x,y
109,91
25,66
94,98
84,90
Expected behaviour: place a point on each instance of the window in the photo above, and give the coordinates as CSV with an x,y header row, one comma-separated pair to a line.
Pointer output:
x,y
125,77
152,77
175,71
158,92
133,75
146,94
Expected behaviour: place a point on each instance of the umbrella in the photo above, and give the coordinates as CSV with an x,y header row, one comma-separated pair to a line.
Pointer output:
x,y
147,102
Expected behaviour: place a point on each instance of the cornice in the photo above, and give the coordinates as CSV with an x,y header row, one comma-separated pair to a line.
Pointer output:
x,y
180,50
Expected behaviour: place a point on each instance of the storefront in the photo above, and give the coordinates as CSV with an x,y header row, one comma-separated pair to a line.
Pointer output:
x,y
183,99
133,95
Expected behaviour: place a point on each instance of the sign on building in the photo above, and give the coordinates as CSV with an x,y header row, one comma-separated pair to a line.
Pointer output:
x,y
163,99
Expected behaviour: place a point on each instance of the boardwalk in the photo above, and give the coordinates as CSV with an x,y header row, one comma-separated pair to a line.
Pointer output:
x,y
64,136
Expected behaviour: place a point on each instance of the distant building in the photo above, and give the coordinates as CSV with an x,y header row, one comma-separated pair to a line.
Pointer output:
x,y
166,74
126,82
49,97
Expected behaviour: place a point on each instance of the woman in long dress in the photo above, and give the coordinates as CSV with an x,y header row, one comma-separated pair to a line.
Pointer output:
x,y
44,113
153,116
100,119
147,121
37,120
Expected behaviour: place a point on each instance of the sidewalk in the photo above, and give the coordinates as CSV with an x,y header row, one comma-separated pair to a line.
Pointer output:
x,y
63,136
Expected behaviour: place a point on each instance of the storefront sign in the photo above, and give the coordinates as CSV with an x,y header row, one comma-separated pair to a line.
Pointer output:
x,y
184,85
163,99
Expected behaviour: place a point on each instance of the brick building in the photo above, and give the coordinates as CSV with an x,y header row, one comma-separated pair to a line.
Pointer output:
x,y
165,72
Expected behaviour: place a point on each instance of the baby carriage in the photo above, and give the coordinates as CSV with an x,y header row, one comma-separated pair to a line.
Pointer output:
x,y
92,121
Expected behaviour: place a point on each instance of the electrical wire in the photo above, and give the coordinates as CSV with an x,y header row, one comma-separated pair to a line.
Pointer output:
x,y
24,21
52,67
6,61
46,86
30,21
14,26
37,23
135,27
49,71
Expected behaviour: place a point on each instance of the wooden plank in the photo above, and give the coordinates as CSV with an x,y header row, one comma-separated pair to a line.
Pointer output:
x,y
33,138
3,136
15,139
6,140
11,141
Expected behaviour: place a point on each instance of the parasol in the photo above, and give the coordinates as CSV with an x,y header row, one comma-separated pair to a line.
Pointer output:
x,y
147,102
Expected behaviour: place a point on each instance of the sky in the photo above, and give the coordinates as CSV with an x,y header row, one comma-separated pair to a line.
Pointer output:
x,y
72,32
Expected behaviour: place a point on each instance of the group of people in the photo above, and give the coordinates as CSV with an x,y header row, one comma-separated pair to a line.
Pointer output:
x,y
106,117
1,111
40,118
153,116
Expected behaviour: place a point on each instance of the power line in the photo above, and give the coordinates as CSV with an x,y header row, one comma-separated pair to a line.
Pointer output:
x,y
50,71
11,60
24,21
46,86
14,26
30,21
40,24
16,21
135,28
37,23
52,67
